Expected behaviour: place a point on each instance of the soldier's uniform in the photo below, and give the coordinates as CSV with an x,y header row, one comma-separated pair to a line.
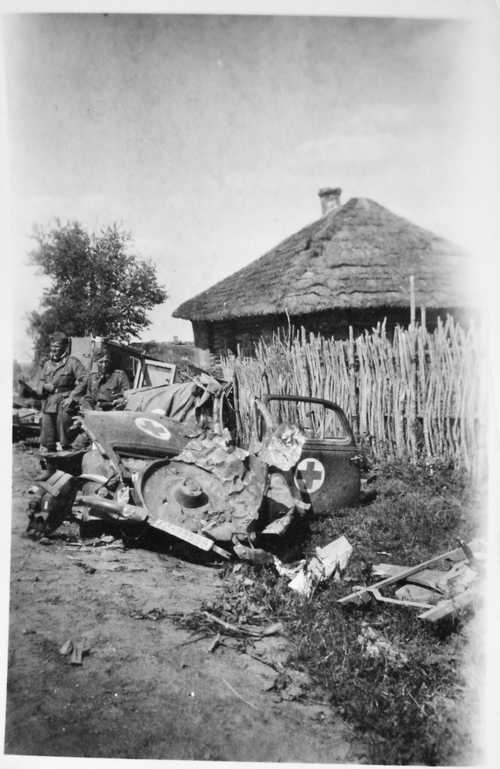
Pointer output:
x,y
69,379
103,389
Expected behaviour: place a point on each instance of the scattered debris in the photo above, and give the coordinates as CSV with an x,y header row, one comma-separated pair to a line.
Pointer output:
x,y
215,643
416,593
152,614
77,650
252,554
450,606
363,595
440,592
288,570
328,561
244,630
66,648
77,653
275,629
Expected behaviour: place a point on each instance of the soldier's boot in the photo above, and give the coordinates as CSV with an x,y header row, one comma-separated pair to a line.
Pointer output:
x,y
48,469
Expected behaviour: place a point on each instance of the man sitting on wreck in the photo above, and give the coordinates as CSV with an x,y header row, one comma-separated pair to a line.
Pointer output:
x,y
105,390
106,387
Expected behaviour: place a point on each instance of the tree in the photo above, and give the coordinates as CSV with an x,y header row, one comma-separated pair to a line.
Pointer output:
x,y
98,286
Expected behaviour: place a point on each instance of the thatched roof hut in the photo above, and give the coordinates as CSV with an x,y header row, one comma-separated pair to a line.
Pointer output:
x,y
358,256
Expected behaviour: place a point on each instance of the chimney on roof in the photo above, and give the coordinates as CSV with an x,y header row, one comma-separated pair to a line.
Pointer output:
x,y
330,199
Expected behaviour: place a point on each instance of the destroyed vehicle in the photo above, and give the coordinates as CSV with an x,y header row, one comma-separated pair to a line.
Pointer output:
x,y
121,446
175,468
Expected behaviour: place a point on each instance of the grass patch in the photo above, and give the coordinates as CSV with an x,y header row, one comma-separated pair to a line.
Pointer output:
x,y
411,689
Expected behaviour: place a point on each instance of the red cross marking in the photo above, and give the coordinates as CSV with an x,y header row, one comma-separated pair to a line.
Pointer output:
x,y
150,427
310,477
155,428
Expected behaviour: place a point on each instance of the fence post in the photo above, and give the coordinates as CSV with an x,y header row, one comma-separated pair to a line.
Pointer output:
x,y
412,426
352,381
412,301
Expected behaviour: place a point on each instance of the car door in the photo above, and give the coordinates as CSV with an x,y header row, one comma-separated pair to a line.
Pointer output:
x,y
327,474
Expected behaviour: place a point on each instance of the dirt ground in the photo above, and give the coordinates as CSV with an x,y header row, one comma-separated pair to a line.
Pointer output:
x,y
142,691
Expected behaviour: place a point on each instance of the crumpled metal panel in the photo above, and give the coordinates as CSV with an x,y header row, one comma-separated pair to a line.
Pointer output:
x,y
136,433
218,489
209,488
283,447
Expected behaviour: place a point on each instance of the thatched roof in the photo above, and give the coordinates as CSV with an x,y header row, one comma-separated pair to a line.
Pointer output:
x,y
360,255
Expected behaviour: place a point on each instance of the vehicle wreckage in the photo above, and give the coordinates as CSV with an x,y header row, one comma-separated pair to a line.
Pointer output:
x,y
170,464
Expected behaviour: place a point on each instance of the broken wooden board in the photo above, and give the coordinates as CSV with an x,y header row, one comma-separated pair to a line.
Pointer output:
x,y
434,579
450,606
77,653
459,578
360,595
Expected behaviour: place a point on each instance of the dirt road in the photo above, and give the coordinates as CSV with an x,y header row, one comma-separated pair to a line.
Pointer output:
x,y
142,691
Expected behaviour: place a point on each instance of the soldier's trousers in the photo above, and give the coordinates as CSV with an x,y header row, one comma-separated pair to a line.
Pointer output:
x,y
56,428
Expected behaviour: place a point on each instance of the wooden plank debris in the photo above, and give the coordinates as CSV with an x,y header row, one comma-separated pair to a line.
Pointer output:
x,y
359,595
67,647
431,578
77,654
450,606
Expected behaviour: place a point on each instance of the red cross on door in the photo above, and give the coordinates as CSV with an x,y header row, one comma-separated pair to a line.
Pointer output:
x,y
309,475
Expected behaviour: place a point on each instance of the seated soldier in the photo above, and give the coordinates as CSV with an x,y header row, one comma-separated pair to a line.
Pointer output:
x,y
104,392
106,387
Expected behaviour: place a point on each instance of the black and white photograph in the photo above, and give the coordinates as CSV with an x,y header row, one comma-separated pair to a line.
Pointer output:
x,y
250,408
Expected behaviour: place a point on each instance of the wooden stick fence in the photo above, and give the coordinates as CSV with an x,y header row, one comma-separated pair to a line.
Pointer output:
x,y
413,396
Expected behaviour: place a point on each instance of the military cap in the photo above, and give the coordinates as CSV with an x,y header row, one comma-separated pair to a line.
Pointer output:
x,y
103,354
58,336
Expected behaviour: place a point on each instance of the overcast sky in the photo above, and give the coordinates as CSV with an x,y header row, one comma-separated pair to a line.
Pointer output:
x,y
209,136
